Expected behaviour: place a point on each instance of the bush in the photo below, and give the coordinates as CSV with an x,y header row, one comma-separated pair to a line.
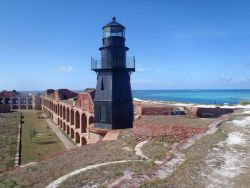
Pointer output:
x,y
244,102
8,184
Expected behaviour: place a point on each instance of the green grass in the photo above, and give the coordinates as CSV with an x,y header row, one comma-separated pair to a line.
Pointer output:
x,y
8,139
157,148
43,143
7,184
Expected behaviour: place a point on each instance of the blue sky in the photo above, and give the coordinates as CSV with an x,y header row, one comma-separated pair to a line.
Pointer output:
x,y
178,44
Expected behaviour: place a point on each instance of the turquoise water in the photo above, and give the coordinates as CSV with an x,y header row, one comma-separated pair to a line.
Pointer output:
x,y
195,96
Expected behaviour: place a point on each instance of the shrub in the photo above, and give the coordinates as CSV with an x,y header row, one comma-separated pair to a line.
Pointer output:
x,y
244,102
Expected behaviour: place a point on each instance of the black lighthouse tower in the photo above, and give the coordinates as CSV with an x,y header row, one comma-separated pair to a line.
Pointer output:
x,y
113,103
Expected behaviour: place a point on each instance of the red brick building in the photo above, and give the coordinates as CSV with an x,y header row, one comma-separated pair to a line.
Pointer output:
x,y
14,100
72,112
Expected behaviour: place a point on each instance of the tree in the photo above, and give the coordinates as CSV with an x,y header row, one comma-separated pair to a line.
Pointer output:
x,y
32,133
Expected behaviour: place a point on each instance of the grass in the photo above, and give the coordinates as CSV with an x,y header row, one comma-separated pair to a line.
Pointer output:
x,y
9,123
190,173
157,148
103,174
43,143
7,184
194,161
51,168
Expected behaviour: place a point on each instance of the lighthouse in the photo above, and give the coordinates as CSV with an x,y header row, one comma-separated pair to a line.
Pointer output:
x,y
113,102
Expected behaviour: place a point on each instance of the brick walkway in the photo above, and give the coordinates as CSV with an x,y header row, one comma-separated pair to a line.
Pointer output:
x,y
68,145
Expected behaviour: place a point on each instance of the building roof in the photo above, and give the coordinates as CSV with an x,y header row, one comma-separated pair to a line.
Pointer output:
x,y
113,23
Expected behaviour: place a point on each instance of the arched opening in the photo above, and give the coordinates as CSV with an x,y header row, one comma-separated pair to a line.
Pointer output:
x,y
72,117
7,101
84,141
23,101
15,101
72,133
68,129
1,101
77,120
78,138
30,107
61,124
84,123
60,110
58,123
64,127
15,107
67,114
29,100
64,112
57,109
23,107
91,120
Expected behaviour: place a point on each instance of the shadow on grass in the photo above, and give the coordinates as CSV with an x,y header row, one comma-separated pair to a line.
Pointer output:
x,y
45,142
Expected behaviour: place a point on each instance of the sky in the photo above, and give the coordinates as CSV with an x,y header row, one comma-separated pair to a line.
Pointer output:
x,y
178,44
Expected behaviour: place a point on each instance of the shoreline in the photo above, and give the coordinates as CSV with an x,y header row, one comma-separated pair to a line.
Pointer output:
x,y
181,104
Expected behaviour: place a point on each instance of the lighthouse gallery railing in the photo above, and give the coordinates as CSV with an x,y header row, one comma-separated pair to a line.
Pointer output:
x,y
96,64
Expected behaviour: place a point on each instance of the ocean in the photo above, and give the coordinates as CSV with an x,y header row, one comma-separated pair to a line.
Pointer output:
x,y
195,96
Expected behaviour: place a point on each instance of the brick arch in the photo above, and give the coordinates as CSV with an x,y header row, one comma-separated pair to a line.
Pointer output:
x,y
84,141
64,126
60,110
14,101
67,114
72,134
91,120
84,123
64,112
7,101
72,117
23,101
68,129
78,140
77,124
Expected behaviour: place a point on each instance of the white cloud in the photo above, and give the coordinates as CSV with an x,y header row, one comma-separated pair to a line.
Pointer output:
x,y
64,69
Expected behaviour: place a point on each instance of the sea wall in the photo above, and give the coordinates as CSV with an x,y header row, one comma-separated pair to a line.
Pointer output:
x,y
209,112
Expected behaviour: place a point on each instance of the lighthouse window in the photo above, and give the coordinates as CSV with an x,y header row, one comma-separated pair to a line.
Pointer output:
x,y
102,85
107,32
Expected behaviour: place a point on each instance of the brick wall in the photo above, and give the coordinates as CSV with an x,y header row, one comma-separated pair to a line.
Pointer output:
x,y
144,131
85,101
209,112
148,109
4,108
